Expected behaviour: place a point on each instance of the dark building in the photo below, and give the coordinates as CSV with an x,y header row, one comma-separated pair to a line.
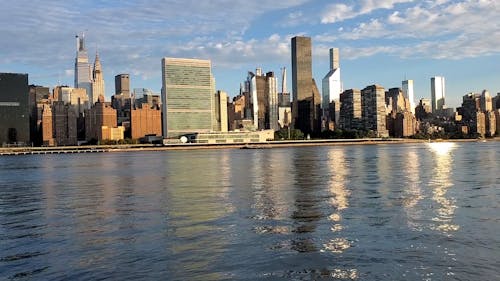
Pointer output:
x,y
14,108
38,95
306,108
122,85
350,110
373,110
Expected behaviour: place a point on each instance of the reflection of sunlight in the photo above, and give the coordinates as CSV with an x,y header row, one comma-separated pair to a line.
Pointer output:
x,y
441,148
337,245
413,192
441,182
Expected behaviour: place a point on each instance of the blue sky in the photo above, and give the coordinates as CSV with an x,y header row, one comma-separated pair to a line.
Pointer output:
x,y
380,41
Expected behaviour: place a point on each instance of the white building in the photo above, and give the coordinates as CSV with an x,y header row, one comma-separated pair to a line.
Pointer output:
x,y
408,94
332,86
83,73
437,93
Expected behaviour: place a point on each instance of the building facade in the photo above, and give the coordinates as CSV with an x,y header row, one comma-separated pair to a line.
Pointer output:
x,y
332,87
221,114
14,109
373,110
187,96
83,73
145,120
437,94
407,87
97,82
306,108
102,114
350,110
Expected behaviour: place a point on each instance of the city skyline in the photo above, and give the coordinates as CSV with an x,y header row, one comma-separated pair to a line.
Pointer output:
x,y
383,42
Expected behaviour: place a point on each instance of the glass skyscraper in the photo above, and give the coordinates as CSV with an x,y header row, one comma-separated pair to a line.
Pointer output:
x,y
187,96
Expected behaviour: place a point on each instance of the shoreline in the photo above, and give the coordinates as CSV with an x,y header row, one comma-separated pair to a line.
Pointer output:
x,y
6,151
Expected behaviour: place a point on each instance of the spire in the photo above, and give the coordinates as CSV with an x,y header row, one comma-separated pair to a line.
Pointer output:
x,y
283,80
97,62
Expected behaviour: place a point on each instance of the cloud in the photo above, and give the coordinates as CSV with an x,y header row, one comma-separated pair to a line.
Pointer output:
x,y
450,30
340,12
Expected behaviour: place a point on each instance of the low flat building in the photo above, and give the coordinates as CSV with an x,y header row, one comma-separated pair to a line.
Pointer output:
x,y
231,137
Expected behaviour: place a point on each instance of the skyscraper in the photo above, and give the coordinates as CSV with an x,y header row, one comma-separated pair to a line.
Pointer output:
x,y
408,93
437,93
373,110
83,76
306,101
332,87
122,85
187,96
14,108
263,90
98,81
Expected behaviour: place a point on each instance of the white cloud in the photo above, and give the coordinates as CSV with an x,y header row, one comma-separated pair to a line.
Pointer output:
x,y
340,12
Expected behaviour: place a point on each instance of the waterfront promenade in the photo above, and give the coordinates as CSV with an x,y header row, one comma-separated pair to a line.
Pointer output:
x,y
190,146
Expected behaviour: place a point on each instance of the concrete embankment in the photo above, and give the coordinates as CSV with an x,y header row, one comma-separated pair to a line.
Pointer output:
x,y
191,146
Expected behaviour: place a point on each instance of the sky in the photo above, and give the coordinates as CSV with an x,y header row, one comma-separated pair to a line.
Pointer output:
x,y
380,41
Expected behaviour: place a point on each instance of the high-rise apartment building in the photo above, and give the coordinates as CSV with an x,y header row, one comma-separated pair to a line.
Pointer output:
x,y
83,73
187,96
350,110
332,87
437,93
306,106
14,108
409,94
373,110
486,101
97,82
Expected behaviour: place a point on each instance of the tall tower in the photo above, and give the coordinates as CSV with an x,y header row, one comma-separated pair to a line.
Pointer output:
x,y
83,77
437,93
332,87
188,96
306,100
408,94
122,85
98,81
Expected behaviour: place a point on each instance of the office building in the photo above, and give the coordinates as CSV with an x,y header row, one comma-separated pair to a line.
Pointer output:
x,y
263,93
306,108
64,124
409,94
37,96
122,85
100,121
97,82
14,109
187,96
350,110
83,72
437,94
373,110
332,87
486,101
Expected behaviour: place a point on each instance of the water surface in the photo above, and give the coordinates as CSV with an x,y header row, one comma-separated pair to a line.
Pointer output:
x,y
360,212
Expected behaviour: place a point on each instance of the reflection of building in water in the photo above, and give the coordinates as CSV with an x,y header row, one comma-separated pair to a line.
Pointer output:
x,y
307,214
339,198
441,182
197,198
412,190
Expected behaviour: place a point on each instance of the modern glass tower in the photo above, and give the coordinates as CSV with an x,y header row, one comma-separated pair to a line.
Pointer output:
x,y
332,87
306,100
408,93
437,93
83,73
187,96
